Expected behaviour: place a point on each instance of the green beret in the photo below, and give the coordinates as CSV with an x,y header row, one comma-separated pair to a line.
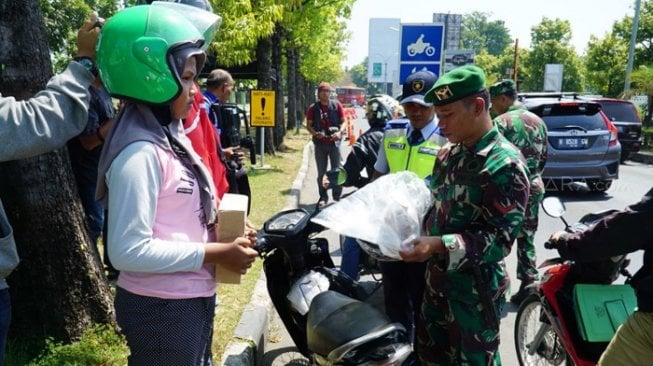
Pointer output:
x,y
503,87
456,84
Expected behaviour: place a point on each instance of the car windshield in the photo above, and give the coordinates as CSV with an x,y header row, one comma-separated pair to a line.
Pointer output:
x,y
617,111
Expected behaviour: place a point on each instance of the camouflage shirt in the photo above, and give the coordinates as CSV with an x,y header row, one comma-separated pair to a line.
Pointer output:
x,y
527,131
480,197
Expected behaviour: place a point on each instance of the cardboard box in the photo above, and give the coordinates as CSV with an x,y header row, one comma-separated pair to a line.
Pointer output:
x,y
232,216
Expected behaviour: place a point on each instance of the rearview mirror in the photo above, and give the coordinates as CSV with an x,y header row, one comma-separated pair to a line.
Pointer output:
x,y
553,206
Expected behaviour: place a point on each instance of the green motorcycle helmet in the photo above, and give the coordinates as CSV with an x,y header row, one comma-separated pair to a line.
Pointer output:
x,y
142,50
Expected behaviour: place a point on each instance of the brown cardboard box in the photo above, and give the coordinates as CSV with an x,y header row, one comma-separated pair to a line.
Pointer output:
x,y
232,216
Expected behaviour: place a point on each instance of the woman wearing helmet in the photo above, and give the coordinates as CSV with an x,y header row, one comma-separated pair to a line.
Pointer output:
x,y
379,110
160,197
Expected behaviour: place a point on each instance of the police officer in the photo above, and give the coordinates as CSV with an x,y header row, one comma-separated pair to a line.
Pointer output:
x,y
409,145
528,132
480,189
380,109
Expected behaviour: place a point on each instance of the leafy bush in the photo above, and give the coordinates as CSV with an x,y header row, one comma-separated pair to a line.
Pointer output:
x,y
647,137
100,345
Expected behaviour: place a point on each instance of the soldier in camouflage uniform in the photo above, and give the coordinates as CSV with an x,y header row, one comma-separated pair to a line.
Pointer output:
x,y
527,131
480,187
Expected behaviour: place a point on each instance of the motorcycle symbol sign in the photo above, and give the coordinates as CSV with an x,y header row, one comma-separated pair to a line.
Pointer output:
x,y
420,47
421,42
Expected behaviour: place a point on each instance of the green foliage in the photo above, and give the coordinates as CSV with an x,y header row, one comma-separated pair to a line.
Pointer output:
x,y
244,23
62,20
605,65
489,64
317,31
647,135
644,42
100,345
497,67
480,34
642,80
550,42
359,74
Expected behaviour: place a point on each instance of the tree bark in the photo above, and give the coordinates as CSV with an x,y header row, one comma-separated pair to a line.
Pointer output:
x,y
291,77
59,289
264,60
280,124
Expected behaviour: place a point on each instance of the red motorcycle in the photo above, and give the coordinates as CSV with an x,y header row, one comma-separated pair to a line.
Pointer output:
x,y
546,327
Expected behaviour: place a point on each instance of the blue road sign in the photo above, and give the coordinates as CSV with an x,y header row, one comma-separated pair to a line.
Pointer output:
x,y
421,46
407,69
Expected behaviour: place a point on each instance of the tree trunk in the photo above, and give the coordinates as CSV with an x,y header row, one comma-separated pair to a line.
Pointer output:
x,y
649,111
280,124
292,88
264,59
59,289
302,98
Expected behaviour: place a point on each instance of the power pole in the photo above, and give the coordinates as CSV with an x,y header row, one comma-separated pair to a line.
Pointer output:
x,y
631,50
515,61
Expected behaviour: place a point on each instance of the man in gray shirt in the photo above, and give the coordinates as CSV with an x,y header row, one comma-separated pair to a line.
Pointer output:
x,y
38,125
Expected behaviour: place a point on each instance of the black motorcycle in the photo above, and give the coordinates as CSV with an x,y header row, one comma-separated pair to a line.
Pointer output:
x,y
338,327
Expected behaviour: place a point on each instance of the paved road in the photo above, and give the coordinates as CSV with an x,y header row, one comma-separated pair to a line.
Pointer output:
x,y
635,180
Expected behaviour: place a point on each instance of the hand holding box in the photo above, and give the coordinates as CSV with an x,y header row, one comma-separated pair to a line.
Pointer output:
x,y
232,217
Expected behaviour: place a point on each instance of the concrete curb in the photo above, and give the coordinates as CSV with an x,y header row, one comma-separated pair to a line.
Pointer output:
x,y
247,345
642,157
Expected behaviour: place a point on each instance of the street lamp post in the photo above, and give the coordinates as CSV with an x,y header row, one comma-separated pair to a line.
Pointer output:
x,y
631,50
385,76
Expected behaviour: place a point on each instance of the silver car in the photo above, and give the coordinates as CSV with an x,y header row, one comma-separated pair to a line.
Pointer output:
x,y
582,142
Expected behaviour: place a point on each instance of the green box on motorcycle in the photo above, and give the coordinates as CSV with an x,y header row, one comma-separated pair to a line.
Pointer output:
x,y
601,309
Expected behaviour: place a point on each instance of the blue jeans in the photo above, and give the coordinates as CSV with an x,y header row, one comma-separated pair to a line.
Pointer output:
x,y
5,319
93,209
351,253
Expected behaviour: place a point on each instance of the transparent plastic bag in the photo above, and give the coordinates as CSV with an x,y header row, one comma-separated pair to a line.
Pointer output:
x,y
383,214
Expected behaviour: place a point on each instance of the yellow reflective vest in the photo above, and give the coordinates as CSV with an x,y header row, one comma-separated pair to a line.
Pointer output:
x,y
418,159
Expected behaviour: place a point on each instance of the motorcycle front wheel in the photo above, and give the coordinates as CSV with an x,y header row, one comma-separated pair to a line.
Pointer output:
x,y
535,341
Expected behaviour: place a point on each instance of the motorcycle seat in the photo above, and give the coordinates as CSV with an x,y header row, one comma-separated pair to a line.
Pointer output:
x,y
335,319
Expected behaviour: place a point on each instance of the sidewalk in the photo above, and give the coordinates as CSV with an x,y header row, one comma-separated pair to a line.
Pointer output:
x,y
248,343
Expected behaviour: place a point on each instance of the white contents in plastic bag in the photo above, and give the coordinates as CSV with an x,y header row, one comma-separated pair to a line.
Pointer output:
x,y
386,212
303,291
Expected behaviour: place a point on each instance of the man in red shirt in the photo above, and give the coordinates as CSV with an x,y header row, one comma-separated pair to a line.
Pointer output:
x,y
324,119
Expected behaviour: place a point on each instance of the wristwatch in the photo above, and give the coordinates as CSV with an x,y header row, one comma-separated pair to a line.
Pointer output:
x,y
88,63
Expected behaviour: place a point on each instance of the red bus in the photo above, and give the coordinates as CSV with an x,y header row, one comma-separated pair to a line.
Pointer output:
x,y
350,95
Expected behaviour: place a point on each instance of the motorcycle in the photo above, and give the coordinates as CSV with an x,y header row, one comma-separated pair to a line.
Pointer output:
x,y
546,327
323,309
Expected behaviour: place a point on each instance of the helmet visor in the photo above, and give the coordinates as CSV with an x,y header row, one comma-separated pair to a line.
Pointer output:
x,y
205,23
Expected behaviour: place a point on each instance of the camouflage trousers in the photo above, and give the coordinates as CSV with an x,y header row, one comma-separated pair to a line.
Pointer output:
x,y
453,331
526,258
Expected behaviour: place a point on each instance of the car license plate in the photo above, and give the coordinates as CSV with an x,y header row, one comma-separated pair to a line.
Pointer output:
x,y
572,143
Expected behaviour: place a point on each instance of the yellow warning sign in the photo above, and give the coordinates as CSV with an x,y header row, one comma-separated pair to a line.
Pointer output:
x,y
262,108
